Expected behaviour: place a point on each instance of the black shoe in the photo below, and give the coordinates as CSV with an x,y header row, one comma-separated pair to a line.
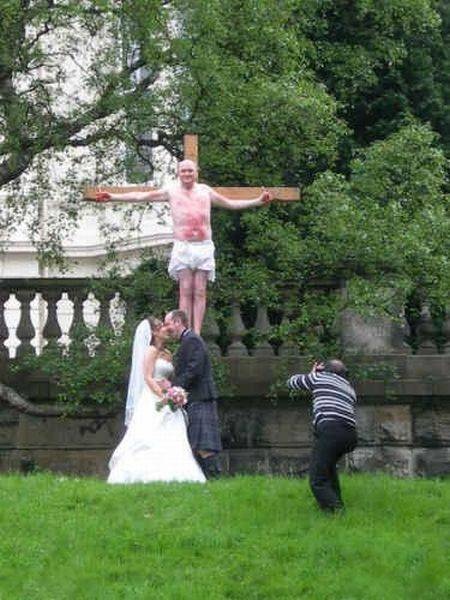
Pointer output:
x,y
210,466
337,509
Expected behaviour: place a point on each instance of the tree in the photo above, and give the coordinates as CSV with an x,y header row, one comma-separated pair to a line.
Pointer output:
x,y
79,82
388,224
344,97
383,62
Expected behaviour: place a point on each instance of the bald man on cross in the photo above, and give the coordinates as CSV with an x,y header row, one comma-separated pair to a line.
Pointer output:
x,y
192,261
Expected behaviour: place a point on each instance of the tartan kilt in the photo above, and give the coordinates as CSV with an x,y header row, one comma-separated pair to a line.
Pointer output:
x,y
203,427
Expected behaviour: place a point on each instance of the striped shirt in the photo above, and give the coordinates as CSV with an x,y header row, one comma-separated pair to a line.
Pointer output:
x,y
333,397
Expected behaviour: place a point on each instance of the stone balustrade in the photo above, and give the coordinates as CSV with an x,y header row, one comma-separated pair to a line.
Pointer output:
x,y
36,311
404,418
50,309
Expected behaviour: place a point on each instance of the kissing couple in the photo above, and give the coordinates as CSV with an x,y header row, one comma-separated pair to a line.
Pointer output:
x,y
161,443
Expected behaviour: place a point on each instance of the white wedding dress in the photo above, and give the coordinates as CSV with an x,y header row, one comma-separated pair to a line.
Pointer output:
x,y
155,446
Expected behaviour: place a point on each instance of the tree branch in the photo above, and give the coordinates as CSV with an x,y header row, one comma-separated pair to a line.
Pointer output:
x,y
22,404
64,129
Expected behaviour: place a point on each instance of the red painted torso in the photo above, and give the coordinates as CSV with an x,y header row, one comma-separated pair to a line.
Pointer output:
x,y
191,212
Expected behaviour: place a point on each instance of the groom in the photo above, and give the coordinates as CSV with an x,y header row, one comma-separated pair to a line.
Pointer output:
x,y
193,373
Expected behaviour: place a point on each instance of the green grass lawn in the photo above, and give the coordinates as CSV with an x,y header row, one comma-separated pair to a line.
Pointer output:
x,y
243,538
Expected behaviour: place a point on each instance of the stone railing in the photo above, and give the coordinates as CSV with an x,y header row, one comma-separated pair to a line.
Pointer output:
x,y
404,421
34,311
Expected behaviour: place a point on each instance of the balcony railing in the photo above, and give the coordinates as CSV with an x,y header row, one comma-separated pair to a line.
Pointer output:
x,y
35,311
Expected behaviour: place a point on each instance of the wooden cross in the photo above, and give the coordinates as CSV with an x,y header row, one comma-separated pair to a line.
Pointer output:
x,y
190,144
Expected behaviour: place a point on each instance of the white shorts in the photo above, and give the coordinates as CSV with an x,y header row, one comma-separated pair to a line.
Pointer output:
x,y
194,256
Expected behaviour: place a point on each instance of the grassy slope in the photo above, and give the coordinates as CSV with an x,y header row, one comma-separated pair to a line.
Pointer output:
x,y
243,538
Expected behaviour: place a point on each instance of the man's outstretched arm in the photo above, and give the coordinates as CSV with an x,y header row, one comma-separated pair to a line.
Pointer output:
x,y
218,200
150,196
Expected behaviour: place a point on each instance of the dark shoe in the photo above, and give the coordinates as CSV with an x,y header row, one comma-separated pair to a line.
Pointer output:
x,y
338,509
210,466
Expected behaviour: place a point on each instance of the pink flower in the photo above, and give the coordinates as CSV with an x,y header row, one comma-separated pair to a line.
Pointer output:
x,y
174,397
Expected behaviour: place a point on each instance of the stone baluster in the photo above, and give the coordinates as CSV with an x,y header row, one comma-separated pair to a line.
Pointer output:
x,y
130,315
211,333
77,297
237,332
289,302
262,328
52,331
426,332
4,333
105,318
25,329
104,323
288,347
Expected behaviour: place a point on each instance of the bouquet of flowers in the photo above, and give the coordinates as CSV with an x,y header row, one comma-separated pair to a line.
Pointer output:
x,y
174,397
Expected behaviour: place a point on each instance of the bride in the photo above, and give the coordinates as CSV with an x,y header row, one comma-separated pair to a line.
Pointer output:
x,y
155,446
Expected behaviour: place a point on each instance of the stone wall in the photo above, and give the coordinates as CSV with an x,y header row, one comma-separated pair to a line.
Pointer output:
x,y
404,424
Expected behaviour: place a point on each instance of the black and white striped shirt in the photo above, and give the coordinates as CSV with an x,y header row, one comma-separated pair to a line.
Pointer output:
x,y
333,396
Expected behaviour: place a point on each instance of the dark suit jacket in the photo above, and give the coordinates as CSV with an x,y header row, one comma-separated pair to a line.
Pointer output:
x,y
193,368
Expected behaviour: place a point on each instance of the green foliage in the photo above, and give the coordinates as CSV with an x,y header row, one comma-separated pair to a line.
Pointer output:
x,y
382,61
147,290
312,325
90,372
247,537
262,116
387,226
383,230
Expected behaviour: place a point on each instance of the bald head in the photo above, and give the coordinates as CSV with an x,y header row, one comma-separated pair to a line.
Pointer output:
x,y
336,366
187,164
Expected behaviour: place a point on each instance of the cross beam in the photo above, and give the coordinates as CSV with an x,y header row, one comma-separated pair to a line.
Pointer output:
x,y
283,194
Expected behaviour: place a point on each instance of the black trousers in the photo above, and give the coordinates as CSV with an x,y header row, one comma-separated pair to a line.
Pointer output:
x,y
332,439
